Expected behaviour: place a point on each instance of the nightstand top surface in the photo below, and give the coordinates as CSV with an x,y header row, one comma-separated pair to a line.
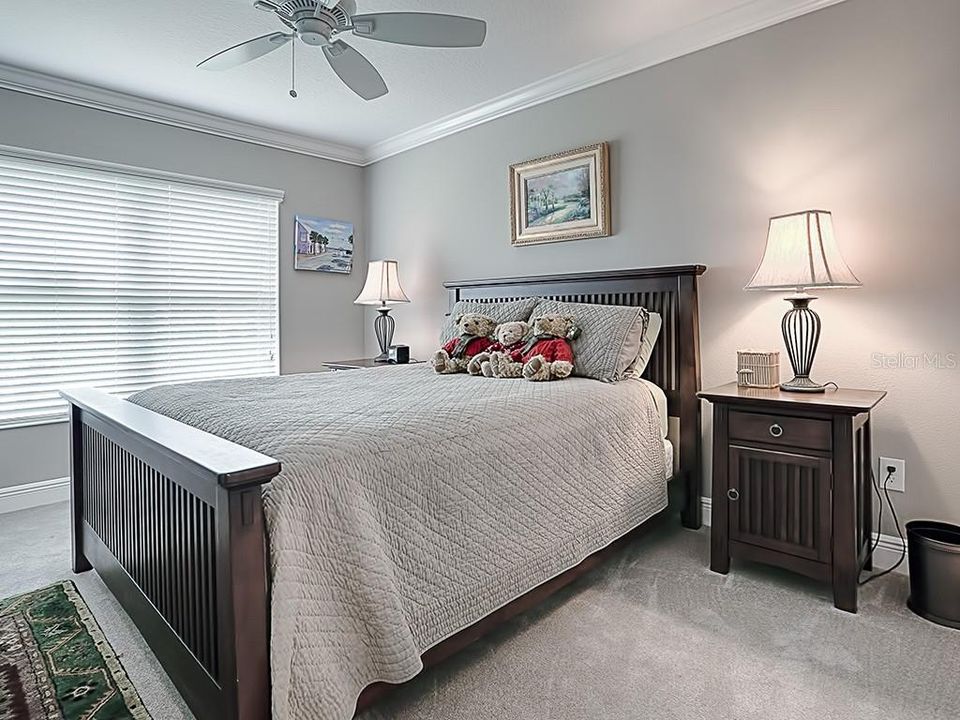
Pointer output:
x,y
366,363
842,399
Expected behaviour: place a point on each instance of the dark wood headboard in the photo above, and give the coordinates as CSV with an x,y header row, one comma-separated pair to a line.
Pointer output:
x,y
675,364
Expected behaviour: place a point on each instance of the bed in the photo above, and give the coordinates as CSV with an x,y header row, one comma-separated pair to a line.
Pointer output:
x,y
411,514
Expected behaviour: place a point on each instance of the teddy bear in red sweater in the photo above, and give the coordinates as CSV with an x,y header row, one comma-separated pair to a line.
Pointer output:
x,y
510,337
548,355
474,338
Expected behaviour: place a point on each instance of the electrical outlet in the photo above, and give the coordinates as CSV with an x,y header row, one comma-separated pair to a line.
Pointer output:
x,y
898,479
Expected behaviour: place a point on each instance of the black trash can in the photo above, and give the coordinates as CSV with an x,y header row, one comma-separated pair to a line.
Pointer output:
x,y
934,551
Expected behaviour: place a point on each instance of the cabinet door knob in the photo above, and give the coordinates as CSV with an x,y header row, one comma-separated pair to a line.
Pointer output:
x,y
733,494
776,430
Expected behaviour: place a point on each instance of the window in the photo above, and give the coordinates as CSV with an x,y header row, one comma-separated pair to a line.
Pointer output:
x,y
121,279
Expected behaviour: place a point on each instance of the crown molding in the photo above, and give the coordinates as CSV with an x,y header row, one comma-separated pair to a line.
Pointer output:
x,y
90,96
742,20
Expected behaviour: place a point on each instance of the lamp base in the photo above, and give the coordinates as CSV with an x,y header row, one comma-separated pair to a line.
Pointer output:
x,y
804,385
801,335
383,326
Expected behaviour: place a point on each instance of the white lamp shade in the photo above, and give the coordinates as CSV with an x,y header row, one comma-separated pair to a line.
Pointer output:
x,y
382,286
801,253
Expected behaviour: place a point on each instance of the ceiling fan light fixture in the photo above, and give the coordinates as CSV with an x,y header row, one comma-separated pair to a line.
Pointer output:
x,y
314,31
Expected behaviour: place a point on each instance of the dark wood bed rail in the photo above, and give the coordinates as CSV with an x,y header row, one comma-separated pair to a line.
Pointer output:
x,y
675,363
171,517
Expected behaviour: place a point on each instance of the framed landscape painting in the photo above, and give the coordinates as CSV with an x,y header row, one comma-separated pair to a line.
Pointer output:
x,y
323,245
560,197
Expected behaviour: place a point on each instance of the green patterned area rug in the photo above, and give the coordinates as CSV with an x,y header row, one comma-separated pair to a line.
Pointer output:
x,y
55,663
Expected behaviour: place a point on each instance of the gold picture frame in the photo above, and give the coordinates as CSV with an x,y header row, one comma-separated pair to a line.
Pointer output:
x,y
559,197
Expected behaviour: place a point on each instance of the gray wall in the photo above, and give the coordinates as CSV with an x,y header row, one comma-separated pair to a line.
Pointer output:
x,y
852,109
318,320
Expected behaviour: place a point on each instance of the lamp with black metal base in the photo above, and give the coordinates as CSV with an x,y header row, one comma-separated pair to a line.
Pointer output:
x,y
801,253
382,288
801,335
383,326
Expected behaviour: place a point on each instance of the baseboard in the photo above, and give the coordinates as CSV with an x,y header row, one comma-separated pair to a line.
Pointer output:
x,y
45,492
706,504
886,555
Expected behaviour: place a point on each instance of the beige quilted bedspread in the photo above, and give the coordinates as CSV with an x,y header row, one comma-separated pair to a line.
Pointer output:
x,y
410,505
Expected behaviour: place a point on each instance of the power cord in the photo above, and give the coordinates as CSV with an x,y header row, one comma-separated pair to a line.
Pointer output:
x,y
876,489
893,511
896,520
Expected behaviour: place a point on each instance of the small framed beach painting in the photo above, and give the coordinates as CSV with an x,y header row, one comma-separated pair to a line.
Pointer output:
x,y
560,197
323,245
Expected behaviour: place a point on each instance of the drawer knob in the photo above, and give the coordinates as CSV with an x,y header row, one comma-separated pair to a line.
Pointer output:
x,y
776,430
733,494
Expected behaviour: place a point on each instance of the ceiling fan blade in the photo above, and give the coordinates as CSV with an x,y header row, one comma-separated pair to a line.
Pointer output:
x,y
421,29
355,70
245,51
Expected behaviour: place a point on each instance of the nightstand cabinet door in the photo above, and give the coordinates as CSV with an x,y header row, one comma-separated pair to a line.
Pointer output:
x,y
780,501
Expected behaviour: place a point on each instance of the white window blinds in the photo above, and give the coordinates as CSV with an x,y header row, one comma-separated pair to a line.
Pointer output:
x,y
122,281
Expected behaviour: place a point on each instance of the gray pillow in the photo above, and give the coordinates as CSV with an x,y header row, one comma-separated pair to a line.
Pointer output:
x,y
610,337
654,324
500,312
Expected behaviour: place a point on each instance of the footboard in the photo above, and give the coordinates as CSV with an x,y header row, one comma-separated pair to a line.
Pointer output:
x,y
171,518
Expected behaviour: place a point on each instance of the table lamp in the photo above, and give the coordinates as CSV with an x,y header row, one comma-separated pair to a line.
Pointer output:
x,y
801,253
382,288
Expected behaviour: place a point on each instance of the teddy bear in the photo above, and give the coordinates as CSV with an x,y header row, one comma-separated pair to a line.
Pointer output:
x,y
510,338
474,337
548,355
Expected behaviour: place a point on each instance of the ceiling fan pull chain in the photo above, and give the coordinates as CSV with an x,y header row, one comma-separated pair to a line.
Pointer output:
x,y
293,68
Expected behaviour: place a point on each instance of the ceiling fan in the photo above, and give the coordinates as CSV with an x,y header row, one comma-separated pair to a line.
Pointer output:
x,y
321,23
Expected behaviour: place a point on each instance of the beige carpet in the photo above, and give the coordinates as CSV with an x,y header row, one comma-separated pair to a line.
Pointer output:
x,y
653,634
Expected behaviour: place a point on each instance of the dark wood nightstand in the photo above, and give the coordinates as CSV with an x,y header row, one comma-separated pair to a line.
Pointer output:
x,y
792,482
363,363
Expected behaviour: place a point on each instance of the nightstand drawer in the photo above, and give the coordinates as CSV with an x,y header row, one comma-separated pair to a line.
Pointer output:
x,y
795,432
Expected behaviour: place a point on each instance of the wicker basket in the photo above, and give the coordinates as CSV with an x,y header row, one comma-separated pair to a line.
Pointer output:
x,y
758,368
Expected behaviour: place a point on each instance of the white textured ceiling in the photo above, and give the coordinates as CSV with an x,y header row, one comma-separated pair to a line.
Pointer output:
x,y
149,48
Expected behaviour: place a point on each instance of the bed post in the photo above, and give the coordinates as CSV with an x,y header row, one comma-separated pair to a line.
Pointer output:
x,y
688,377
244,628
78,559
